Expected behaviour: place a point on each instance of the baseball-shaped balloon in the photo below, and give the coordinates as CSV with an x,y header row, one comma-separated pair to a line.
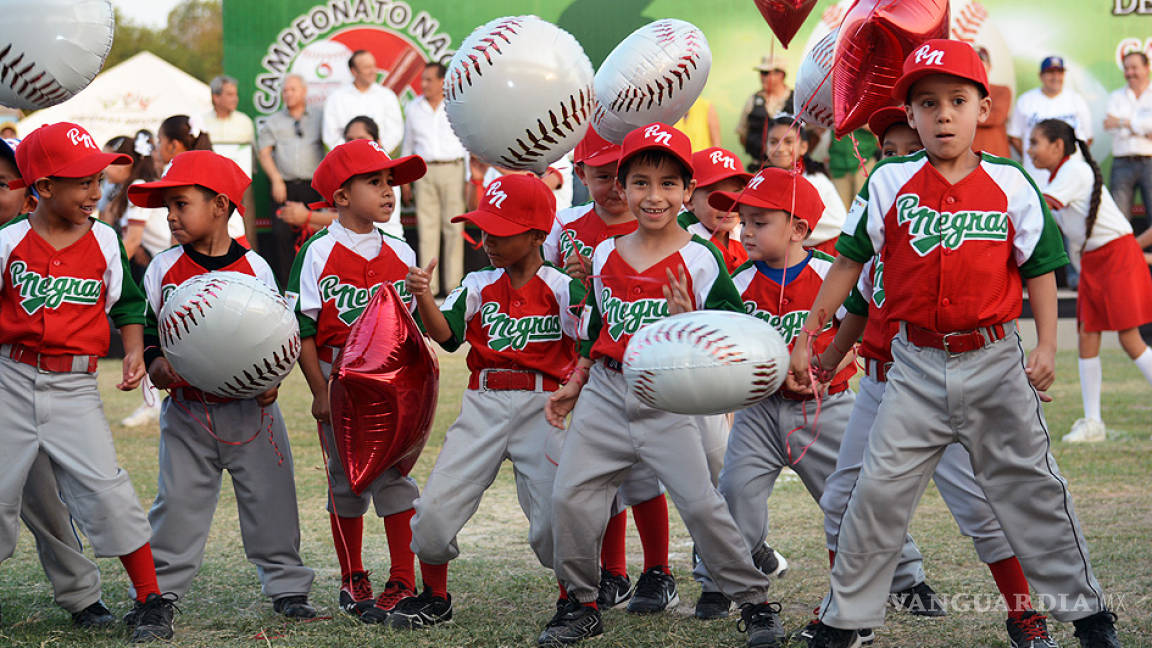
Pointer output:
x,y
705,362
518,93
229,334
52,49
653,75
813,96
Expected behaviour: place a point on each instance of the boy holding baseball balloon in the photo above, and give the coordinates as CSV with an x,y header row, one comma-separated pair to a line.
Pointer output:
x,y
611,430
202,434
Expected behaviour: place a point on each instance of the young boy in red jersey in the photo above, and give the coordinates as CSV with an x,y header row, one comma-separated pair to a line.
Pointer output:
x,y
716,169
62,274
519,318
247,437
959,233
574,235
333,277
611,431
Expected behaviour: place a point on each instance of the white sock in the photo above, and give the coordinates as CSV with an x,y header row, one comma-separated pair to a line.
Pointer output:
x,y
1144,363
1091,377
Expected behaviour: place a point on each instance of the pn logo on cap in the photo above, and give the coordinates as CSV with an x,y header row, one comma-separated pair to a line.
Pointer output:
x,y
495,195
721,159
376,145
756,181
658,135
80,138
928,56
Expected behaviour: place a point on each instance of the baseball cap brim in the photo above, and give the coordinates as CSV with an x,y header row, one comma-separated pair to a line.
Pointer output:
x,y
900,92
707,181
151,194
491,223
404,170
886,118
88,165
603,157
729,200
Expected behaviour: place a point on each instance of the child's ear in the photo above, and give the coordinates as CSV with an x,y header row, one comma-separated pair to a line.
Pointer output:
x,y
578,169
985,109
44,187
220,204
908,114
538,237
341,198
689,190
799,230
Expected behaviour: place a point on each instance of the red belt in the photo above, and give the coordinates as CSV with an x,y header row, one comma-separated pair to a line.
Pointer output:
x,y
511,380
834,389
195,395
956,342
50,363
875,369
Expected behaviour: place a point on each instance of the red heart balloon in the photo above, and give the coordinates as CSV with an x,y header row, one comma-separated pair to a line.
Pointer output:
x,y
382,391
875,38
785,16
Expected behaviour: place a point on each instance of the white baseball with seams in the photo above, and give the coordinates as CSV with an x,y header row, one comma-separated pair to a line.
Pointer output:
x,y
705,362
229,334
653,75
52,49
813,96
518,93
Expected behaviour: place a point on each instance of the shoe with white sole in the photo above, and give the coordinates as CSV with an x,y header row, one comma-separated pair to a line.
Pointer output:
x,y
770,561
1086,430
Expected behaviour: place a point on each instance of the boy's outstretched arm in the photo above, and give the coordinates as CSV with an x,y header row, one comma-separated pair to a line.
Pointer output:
x,y
835,289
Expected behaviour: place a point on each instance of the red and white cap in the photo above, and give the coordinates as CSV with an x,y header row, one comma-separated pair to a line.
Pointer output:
x,y
886,118
715,164
358,157
64,150
774,188
595,151
513,204
659,137
203,168
941,56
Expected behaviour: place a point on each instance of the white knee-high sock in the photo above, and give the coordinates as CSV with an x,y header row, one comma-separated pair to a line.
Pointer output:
x,y
1091,377
1144,363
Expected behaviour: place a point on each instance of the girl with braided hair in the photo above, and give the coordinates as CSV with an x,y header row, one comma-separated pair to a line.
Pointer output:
x,y
1115,292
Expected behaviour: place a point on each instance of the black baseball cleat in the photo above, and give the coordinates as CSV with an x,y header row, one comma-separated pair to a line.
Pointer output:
x,y
1097,631
919,600
152,619
1028,630
655,592
96,615
713,605
422,611
762,623
770,561
825,636
294,607
614,590
572,623
394,592
867,637
356,593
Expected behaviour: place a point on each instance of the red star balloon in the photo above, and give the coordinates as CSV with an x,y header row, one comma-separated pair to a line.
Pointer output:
x,y
382,391
785,16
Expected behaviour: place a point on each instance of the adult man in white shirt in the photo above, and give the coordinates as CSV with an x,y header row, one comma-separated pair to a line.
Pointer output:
x,y
233,136
439,194
1129,121
1050,101
364,96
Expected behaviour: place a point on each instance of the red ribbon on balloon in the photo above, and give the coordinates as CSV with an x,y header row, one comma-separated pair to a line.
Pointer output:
x,y
875,38
785,16
382,391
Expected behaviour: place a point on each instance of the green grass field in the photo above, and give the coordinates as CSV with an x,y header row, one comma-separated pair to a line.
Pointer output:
x,y
502,596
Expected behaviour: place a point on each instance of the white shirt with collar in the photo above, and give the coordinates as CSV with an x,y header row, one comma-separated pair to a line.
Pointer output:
x,y
428,134
1136,138
376,102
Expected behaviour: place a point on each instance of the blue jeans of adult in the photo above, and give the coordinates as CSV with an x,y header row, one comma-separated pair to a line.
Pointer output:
x,y
1130,173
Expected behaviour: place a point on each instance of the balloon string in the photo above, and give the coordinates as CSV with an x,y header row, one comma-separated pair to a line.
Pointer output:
x,y
816,415
331,486
859,158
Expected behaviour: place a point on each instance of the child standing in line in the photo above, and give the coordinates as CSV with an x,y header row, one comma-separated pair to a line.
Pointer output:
x,y
518,316
247,437
787,148
333,277
62,274
1115,291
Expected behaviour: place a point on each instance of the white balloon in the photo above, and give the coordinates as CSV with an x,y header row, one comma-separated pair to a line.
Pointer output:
x,y
51,49
814,83
653,75
518,93
705,362
229,334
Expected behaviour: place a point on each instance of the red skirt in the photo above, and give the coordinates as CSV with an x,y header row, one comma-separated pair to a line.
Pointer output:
x,y
1115,287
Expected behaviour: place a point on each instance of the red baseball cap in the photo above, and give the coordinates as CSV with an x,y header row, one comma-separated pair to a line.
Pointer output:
x,y
715,164
513,204
657,136
64,150
941,56
357,157
886,118
203,168
774,188
595,151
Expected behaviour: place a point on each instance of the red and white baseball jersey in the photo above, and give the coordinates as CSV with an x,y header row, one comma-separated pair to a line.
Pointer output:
x,y
58,301
533,327
760,289
867,300
733,253
954,253
331,283
624,299
581,229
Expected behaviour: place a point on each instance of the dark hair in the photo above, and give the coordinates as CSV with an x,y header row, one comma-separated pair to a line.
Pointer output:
x,y
368,123
654,157
1142,56
802,133
1057,130
210,195
441,69
979,87
352,59
178,128
139,148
